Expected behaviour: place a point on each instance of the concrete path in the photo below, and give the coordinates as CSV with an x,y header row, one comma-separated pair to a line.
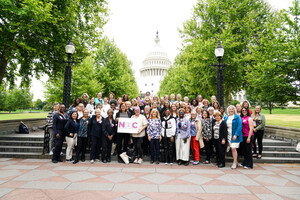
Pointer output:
x,y
41,179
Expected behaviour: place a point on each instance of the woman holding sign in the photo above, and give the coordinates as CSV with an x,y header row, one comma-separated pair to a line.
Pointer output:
x,y
138,137
183,138
154,137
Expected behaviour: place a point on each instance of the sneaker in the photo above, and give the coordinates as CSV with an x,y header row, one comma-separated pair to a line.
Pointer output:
x,y
166,163
92,161
192,161
196,163
171,163
240,165
245,167
51,153
136,161
69,160
140,161
234,165
61,153
97,160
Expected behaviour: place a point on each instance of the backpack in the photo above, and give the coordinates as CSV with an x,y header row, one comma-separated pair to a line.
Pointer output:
x,y
23,128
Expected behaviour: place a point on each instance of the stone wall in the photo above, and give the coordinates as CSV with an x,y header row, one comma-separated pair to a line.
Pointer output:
x,y
12,126
283,133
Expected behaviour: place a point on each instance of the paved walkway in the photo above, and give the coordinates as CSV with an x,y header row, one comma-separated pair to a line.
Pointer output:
x,y
41,179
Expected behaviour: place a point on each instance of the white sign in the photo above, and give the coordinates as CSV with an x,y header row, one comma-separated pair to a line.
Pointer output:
x,y
128,125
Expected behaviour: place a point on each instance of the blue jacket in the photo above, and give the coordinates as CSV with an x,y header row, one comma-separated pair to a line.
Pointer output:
x,y
184,129
236,128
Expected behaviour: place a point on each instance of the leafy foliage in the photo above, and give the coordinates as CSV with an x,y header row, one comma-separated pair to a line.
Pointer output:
x,y
15,98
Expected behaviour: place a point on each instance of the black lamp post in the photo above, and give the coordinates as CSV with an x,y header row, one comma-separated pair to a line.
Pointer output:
x,y
70,49
219,52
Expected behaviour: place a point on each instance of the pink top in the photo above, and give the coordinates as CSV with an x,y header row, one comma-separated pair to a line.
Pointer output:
x,y
246,127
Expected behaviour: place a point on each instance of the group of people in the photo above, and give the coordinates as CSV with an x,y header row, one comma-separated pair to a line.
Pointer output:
x,y
169,129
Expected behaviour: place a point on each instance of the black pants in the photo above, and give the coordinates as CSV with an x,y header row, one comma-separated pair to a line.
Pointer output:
x,y
168,147
81,147
220,151
146,145
259,137
122,142
154,149
95,147
106,148
58,146
247,152
137,142
208,148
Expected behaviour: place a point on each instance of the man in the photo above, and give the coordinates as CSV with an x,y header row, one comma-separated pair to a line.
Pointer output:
x,y
59,121
99,99
85,97
49,124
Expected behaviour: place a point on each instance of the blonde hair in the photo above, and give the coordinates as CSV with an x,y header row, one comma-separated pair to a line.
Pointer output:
x,y
199,107
218,114
157,113
231,106
205,100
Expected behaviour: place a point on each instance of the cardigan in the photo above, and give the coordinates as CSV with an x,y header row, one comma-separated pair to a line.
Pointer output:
x,y
236,128
222,130
71,127
199,136
183,128
95,127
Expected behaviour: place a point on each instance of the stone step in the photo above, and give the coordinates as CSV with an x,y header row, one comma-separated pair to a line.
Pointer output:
x,y
21,149
270,142
23,155
22,137
285,154
21,143
279,148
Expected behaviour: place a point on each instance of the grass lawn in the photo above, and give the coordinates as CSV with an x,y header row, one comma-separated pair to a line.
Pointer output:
x,y
23,116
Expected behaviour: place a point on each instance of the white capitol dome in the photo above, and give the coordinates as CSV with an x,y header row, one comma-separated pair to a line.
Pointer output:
x,y
154,68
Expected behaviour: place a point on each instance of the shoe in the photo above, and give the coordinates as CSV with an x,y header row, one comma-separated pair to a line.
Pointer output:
x,y
60,160
51,153
240,165
233,166
68,160
245,167
120,160
151,162
55,161
92,161
186,163
97,160
140,161
82,159
166,163
179,162
196,163
61,153
75,161
192,161
108,160
157,162
104,161
136,161
171,163
259,157
206,162
221,165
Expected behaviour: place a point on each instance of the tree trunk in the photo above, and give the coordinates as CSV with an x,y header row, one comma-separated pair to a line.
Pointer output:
x,y
227,97
3,65
270,107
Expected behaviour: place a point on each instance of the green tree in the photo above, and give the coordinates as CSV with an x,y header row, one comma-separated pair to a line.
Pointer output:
x,y
237,24
19,98
114,70
39,104
34,34
84,80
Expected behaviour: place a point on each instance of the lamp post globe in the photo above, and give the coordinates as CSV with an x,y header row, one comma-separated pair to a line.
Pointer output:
x,y
219,51
70,48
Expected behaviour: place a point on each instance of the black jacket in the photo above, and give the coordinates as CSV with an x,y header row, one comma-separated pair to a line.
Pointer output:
x,y
222,131
59,121
95,127
71,127
129,113
107,128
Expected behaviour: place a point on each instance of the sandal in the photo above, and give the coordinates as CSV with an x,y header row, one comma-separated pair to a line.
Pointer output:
x,y
206,162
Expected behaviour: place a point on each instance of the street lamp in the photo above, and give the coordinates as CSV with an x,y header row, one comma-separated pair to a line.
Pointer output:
x,y
70,49
219,53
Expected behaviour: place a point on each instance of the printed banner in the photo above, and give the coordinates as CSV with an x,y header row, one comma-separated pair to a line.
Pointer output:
x,y
128,125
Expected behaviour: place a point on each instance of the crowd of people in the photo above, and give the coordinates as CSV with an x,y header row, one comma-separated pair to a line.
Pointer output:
x,y
169,130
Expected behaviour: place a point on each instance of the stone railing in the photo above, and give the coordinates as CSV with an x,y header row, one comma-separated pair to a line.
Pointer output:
x,y
283,133
12,126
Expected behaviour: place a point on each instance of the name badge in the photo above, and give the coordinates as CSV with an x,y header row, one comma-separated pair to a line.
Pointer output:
x,y
112,125
87,122
60,117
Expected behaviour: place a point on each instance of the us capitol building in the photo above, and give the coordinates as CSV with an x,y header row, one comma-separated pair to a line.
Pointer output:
x,y
154,68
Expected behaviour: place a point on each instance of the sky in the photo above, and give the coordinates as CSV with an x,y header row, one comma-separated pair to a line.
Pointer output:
x,y
133,24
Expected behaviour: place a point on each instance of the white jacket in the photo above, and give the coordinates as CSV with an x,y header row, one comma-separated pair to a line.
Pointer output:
x,y
170,128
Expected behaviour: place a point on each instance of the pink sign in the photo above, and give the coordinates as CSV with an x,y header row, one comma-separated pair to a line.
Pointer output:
x,y
128,125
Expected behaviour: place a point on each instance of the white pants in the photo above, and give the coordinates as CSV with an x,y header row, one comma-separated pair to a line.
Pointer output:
x,y
182,149
70,146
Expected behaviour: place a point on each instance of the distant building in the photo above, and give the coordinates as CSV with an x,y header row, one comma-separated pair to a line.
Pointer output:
x,y
154,69
240,96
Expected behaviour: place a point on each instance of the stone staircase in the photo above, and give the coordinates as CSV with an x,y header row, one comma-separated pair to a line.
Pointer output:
x,y
31,146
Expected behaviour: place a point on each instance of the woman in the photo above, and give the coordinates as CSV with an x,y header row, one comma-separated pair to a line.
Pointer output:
x,y
172,99
146,143
91,106
119,100
168,131
125,98
155,98
216,106
183,138
238,109
173,111
133,102
186,100
147,101
259,122
95,131
200,99
109,129
71,129
105,107
188,111
222,111
76,102
207,135
234,130
82,137
161,103
154,137
211,112
85,98
246,105
129,107
195,130
123,138
138,138
220,137
166,106
111,96
205,103
194,104
199,112
155,106
247,129
80,109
